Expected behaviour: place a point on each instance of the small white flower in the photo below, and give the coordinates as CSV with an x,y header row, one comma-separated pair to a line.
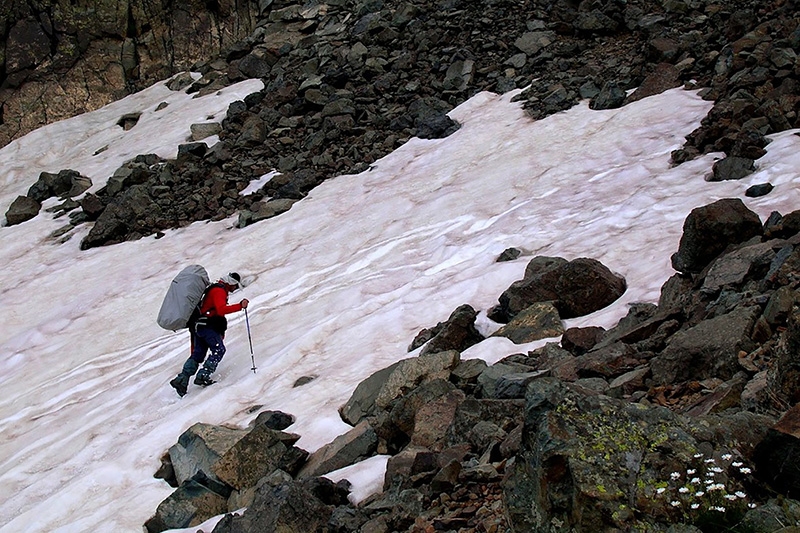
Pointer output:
x,y
699,493
727,456
745,470
716,470
740,494
695,480
730,497
717,508
709,482
718,486
691,471
683,490
751,505
698,455
711,460
675,475
737,464
660,490
695,506
675,503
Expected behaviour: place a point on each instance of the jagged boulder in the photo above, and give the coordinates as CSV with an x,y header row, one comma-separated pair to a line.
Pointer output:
x,y
708,230
776,457
65,184
261,451
200,447
538,321
456,333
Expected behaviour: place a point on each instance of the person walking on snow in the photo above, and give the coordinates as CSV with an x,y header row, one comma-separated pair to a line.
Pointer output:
x,y
207,333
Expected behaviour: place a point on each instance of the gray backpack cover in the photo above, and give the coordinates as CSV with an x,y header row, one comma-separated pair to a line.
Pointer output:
x,y
182,297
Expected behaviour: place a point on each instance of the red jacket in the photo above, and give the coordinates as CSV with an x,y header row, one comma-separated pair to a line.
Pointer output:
x,y
216,303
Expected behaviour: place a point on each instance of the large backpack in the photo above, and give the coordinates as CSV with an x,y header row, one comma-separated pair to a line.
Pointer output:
x,y
182,298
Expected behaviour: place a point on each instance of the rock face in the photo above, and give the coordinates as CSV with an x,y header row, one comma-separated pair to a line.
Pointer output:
x,y
57,63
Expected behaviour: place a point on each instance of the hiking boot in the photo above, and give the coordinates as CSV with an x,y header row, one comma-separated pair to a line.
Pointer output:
x,y
179,385
203,380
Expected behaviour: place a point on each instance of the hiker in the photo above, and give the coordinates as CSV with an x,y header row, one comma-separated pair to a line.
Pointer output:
x,y
208,331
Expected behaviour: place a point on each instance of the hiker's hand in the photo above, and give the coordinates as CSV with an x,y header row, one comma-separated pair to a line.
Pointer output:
x,y
244,303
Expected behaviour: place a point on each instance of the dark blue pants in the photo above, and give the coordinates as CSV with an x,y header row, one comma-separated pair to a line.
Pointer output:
x,y
203,340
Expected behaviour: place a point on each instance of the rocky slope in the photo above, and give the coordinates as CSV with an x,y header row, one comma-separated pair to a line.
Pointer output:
x,y
347,82
683,417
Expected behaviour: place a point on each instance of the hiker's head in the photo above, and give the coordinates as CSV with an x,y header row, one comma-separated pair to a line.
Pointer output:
x,y
232,281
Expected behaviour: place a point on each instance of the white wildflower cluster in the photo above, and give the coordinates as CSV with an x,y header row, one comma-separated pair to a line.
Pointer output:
x,y
707,488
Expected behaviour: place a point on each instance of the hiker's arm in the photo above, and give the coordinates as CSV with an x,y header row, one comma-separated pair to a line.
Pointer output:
x,y
220,299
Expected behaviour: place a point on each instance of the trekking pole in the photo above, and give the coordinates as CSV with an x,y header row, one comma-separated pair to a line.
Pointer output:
x,y
249,338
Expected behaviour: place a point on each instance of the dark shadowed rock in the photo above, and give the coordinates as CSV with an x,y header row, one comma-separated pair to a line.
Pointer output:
x,y
22,209
777,457
576,287
761,189
708,230
288,507
664,77
732,168
191,504
611,96
578,341
457,333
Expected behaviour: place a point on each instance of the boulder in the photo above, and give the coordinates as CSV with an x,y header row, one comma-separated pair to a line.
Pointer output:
x,y
457,333
537,321
191,504
576,287
737,267
378,391
22,209
260,452
578,341
586,458
285,507
732,168
709,349
345,450
708,230
200,447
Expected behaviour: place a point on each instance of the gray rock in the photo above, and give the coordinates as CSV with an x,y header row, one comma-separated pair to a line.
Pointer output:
x,y
191,504
345,450
378,391
732,168
709,349
200,447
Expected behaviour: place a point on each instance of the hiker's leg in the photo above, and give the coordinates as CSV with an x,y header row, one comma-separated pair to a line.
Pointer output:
x,y
215,344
